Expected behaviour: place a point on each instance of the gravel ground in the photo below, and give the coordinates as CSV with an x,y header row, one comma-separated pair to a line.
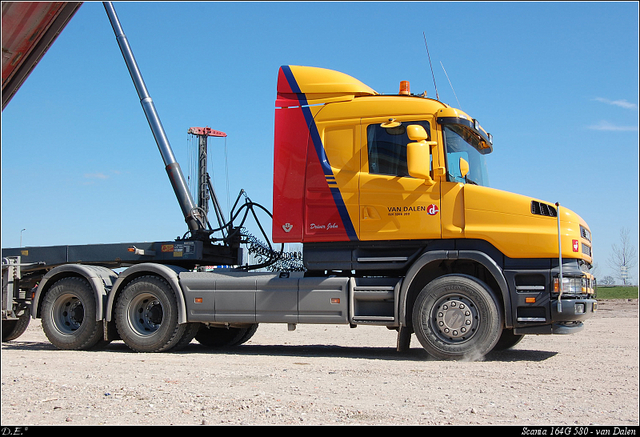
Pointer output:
x,y
330,375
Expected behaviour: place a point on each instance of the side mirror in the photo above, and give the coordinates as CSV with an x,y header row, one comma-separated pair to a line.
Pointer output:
x,y
415,132
419,153
464,167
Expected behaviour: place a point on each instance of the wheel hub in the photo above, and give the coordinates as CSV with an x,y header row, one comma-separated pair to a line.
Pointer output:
x,y
153,313
75,313
455,318
145,314
68,314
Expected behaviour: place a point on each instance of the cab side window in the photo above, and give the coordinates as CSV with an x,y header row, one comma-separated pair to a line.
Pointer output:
x,y
387,147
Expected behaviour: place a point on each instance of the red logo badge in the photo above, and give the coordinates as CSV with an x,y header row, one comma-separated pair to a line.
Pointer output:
x,y
576,245
432,209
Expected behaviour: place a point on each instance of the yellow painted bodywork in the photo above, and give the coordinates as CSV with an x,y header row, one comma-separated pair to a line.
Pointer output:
x,y
505,220
383,207
321,85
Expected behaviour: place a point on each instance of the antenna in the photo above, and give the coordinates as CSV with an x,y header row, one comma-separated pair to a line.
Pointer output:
x,y
430,65
454,91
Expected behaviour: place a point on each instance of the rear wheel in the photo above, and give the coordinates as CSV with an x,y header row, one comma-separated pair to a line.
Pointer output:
x,y
69,315
457,317
146,317
224,337
12,329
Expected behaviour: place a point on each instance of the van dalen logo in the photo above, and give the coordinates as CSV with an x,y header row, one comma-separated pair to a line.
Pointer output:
x,y
408,210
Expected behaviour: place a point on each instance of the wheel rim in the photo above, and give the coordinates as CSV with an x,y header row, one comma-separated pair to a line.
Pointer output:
x,y
454,319
68,313
145,314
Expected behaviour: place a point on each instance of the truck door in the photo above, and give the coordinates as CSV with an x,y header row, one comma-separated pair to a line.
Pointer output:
x,y
331,188
394,205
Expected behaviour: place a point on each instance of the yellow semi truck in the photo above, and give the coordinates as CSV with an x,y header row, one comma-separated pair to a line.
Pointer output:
x,y
396,185
388,195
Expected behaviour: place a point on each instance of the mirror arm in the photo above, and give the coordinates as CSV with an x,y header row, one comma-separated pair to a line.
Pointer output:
x,y
430,181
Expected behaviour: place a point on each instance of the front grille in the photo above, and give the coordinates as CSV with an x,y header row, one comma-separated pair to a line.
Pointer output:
x,y
584,232
540,208
586,250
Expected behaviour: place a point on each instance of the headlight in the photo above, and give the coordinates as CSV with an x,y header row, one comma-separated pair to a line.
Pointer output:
x,y
573,285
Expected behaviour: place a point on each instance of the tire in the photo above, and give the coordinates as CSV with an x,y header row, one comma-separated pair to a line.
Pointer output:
x,y
508,340
457,317
187,336
224,337
12,329
69,315
146,316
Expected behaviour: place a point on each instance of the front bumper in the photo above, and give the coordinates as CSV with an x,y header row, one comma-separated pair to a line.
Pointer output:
x,y
569,314
573,310
560,317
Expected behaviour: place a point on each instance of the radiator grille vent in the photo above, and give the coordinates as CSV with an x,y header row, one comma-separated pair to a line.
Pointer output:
x,y
540,208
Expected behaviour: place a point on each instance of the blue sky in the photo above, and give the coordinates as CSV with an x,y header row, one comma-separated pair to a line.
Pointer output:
x,y
555,83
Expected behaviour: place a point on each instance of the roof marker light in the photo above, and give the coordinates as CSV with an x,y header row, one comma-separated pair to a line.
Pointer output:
x,y
404,88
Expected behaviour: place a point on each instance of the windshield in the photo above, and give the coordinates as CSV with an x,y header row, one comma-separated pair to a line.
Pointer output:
x,y
460,142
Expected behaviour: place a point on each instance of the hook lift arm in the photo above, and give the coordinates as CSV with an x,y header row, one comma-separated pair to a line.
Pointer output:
x,y
195,217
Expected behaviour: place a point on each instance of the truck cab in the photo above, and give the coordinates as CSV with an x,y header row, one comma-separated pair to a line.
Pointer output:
x,y
371,183
348,169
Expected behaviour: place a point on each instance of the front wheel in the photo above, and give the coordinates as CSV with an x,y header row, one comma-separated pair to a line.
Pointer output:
x,y
146,317
457,317
507,340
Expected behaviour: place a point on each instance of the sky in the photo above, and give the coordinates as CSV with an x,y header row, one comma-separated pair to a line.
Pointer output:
x,y
556,84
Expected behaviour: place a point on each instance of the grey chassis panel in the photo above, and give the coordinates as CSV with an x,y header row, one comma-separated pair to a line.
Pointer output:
x,y
241,297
